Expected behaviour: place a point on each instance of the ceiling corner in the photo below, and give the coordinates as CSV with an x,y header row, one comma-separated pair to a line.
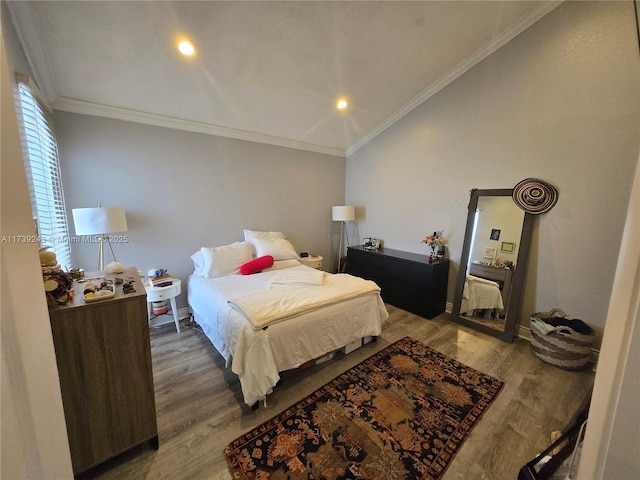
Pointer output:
x,y
24,24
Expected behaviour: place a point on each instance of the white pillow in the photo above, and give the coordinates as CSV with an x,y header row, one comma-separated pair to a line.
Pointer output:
x,y
225,260
198,263
278,248
252,236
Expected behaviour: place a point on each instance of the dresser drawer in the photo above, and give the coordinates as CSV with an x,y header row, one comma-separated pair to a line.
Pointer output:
x,y
407,280
366,260
417,274
488,272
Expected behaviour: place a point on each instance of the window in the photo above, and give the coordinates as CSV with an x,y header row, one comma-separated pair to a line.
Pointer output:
x,y
43,172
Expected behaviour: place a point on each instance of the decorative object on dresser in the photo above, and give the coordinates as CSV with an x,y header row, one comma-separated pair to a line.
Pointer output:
x,y
342,214
371,243
103,355
159,277
402,413
58,284
436,242
101,221
407,280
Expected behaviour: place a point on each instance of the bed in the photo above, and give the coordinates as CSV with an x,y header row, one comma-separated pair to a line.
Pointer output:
x,y
480,294
276,318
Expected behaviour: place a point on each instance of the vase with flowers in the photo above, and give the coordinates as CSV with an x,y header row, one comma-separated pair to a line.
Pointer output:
x,y
435,241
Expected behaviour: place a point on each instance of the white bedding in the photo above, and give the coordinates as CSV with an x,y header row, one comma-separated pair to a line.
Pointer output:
x,y
257,355
480,293
293,297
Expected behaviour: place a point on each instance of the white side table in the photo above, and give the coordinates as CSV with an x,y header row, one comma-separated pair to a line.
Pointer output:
x,y
170,292
313,261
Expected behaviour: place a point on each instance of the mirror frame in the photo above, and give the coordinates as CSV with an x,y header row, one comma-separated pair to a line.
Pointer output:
x,y
517,280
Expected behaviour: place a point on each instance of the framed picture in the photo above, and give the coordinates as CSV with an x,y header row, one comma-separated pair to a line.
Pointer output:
x,y
508,247
495,234
371,243
489,252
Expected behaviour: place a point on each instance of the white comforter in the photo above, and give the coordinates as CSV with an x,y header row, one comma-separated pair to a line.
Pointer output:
x,y
257,355
290,297
480,293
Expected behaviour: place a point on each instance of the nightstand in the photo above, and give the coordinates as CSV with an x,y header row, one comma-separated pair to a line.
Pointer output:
x,y
313,261
170,292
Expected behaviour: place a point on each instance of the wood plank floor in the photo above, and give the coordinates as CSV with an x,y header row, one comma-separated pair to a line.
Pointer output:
x,y
200,408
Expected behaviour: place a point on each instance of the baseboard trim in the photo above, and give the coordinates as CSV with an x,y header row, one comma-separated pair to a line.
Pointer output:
x,y
167,318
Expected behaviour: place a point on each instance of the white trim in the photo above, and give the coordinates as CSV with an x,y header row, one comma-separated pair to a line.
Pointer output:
x,y
28,36
461,68
610,444
87,108
167,319
27,32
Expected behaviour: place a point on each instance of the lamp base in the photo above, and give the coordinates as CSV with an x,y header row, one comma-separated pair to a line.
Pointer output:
x,y
102,239
340,250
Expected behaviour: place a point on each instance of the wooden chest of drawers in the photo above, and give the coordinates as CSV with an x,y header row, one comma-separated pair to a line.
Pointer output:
x,y
103,354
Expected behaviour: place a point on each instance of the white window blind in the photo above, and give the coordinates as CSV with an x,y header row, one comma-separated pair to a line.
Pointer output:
x,y
43,173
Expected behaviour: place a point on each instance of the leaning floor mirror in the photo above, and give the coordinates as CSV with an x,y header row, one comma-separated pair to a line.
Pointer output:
x,y
493,264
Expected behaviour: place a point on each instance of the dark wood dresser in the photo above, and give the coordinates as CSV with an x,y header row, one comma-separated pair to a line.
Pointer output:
x,y
103,354
407,280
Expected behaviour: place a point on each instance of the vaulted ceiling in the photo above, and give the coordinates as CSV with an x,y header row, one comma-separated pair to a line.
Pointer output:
x,y
262,71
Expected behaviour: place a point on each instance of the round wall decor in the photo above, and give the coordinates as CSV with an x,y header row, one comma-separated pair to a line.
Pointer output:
x,y
535,196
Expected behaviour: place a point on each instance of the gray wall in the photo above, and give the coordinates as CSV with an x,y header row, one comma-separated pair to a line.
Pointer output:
x,y
185,190
560,103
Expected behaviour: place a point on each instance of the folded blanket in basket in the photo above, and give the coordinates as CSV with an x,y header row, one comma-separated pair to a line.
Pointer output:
x,y
574,324
543,328
548,325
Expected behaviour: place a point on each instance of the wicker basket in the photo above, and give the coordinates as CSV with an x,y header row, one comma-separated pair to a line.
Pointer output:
x,y
563,347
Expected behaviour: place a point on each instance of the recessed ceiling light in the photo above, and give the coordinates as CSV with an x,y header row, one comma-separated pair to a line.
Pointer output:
x,y
186,48
342,104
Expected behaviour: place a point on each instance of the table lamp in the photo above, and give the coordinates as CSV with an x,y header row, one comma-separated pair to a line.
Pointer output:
x,y
100,221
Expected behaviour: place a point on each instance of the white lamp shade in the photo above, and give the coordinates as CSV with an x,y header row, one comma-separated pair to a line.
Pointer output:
x,y
95,221
343,214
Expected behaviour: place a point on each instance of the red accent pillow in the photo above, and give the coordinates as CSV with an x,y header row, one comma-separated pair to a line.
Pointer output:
x,y
257,265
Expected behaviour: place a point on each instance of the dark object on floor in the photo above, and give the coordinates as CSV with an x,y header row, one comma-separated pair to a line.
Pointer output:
x,y
559,451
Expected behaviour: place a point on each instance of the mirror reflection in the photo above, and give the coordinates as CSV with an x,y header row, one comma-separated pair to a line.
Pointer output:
x,y
493,253
493,264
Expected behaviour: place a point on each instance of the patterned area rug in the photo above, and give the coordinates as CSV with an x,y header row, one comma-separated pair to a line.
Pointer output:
x,y
401,414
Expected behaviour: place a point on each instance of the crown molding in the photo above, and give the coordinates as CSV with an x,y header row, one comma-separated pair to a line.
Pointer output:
x,y
460,69
28,36
87,108
22,18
